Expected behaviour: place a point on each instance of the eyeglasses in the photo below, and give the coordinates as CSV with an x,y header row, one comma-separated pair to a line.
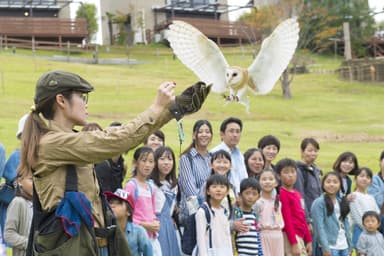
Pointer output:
x,y
84,97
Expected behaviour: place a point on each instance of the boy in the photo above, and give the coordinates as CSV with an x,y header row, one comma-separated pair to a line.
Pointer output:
x,y
248,243
122,204
371,241
297,238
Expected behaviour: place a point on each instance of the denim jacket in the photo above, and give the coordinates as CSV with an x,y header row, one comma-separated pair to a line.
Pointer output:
x,y
138,240
326,228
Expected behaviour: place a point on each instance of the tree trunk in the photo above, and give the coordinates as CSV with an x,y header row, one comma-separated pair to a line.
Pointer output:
x,y
285,82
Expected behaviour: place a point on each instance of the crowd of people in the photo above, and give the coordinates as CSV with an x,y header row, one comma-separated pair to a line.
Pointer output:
x,y
241,204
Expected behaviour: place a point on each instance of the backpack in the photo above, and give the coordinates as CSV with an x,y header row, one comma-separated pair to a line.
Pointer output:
x,y
188,239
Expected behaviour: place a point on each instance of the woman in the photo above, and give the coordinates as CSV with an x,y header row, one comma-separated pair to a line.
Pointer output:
x,y
51,149
194,168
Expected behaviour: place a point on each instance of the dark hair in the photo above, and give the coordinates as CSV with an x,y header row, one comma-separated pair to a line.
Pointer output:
x,y
247,155
195,130
381,159
308,141
229,120
220,154
127,206
276,203
217,179
139,153
268,140
366,170
157,133
171,177
285,162
371,214
249,183
343,157
344,205
35,128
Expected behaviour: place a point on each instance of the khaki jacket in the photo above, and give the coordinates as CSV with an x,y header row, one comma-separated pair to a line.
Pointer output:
x,y
60,147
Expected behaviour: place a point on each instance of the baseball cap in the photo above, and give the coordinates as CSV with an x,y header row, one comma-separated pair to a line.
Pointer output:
x,y
20,127
122,195
54,82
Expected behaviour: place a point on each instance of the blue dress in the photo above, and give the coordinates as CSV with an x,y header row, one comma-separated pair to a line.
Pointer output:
x,y
167,233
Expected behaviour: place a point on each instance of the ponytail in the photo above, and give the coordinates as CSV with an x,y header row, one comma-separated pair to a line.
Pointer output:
x,y
328,204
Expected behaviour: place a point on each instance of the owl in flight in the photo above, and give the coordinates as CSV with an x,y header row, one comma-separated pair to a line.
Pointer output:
x,y
206,60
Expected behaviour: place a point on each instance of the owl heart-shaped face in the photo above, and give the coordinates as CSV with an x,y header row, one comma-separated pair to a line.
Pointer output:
x,y
233,75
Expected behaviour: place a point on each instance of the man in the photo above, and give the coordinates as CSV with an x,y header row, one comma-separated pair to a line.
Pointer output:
x,y
230,133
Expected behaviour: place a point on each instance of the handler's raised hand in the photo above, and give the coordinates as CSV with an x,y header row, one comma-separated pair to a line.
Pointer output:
x,y
165,95
190,100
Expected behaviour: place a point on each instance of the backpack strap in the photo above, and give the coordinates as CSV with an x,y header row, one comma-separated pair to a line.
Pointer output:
x,y
208,217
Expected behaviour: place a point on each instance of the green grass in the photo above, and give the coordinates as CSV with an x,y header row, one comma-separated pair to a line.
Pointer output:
x,y
340,115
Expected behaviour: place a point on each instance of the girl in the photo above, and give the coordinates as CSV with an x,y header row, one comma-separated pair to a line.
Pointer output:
x,y
376,189
144,195
271,222
155,140
164,177
194,168
254,162
19,216
221,164
346,164
363,202
330,222
216,189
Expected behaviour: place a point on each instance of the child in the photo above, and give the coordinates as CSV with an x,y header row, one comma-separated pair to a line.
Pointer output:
x,y
346,164
221,164
164,177
19,216
271,220
144,195
297,238
220,244
363,202
122,204
371,242
270,147
329,215
254,162
248,243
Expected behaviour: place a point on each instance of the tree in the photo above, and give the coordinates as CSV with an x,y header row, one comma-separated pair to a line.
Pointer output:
x,y
88,12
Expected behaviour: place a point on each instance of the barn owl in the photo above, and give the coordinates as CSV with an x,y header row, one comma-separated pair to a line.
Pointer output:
x,y
206,60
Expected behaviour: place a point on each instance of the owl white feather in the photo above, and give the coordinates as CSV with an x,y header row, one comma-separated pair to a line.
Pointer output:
x,y
206,60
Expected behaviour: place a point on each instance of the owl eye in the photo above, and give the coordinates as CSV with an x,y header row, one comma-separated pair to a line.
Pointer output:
x,y
234,74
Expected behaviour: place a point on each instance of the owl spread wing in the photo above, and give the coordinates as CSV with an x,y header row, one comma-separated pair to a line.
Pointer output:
x,y
275,54
199,54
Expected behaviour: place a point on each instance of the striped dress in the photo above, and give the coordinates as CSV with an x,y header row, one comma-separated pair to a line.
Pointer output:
x,y
248,243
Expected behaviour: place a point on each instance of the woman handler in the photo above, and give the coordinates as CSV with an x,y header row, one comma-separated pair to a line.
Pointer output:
x,y
48,148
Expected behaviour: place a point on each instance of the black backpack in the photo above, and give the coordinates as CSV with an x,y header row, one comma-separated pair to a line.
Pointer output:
x,y
188,239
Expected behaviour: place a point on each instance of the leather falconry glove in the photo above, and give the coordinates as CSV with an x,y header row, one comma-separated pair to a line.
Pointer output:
x,y
190,100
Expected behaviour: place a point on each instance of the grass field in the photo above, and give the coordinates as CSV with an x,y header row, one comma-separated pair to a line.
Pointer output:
x,y
340,115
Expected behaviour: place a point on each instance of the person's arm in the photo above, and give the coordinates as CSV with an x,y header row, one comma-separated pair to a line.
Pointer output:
x,y
144,244
201,227
2,160
376,189
356,210
187,179
12,224
361,246
286,208
318,215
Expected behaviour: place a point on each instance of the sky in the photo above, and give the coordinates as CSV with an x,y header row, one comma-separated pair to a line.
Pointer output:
x,y
377,5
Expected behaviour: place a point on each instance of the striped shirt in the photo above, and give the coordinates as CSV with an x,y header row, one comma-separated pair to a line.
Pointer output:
x,y
192,178
249,243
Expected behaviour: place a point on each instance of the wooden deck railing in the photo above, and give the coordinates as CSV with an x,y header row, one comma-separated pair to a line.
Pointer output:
x,y
43,27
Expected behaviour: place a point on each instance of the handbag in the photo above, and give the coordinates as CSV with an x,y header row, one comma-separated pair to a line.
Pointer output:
x,y
7,193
